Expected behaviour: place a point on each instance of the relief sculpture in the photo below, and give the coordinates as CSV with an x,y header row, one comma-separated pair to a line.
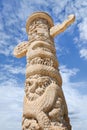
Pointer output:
x,y
44,106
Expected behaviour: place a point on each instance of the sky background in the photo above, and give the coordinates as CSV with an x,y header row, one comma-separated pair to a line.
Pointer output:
x,y
71,50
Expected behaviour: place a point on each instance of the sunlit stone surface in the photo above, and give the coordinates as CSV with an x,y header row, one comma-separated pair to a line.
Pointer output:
x,y
44,102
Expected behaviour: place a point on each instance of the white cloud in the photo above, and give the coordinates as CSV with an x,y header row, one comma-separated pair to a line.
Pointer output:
x,y
11,102
6,50
83,53
11,99
79,7
5,47
83,29
76,101
13,69
67,73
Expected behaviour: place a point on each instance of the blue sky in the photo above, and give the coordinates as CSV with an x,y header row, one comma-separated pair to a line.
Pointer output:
x,y
71,50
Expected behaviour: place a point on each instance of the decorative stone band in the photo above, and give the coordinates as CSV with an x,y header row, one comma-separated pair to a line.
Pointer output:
x,y
44,71
42,54
21,49
36,44
38,15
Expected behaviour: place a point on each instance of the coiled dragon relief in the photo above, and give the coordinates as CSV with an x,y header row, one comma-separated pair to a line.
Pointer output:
x,y
44,102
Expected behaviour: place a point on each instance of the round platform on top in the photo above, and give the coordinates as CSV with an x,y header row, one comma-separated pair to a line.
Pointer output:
x,y
39,15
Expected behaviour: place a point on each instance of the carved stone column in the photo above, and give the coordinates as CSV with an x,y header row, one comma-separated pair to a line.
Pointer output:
x,y
44,103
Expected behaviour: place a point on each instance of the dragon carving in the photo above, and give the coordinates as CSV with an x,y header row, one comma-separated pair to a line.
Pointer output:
x,y
44,102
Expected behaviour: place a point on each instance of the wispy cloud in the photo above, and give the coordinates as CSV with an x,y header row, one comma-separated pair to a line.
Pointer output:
x,y
13,69
76,101
11,102
83,53
67,73
11,98
83,29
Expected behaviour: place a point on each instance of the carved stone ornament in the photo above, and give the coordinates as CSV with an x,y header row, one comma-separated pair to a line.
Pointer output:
x,y
44,102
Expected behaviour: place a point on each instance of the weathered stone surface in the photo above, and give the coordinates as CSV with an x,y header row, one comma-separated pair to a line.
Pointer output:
x,y
44,102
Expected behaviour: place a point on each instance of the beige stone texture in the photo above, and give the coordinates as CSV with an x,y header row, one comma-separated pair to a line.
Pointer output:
x,y
57,29
44,106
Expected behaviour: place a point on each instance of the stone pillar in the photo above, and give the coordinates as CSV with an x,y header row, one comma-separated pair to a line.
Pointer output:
x,y
44,102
